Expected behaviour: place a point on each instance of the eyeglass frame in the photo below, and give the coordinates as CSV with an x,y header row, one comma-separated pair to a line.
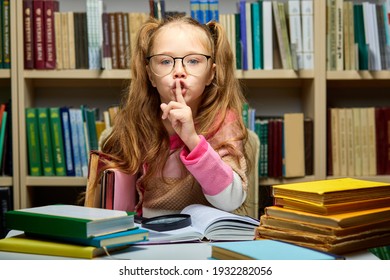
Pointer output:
x,y
174,61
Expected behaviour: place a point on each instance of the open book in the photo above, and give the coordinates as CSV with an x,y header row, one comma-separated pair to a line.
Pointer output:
x,y
208,223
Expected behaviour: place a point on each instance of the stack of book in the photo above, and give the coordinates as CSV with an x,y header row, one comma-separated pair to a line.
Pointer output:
x,y
71,231
338,215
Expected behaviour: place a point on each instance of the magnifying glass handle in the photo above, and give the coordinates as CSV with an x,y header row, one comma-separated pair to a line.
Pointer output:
x,y
138,219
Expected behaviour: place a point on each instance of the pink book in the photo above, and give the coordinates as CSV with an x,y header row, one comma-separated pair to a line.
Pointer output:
x,y
118,190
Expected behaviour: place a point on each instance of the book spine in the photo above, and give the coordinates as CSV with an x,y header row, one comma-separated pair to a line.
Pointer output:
x,y
65,40
45,142
268,35
194,9
58,39
28,38
120,40
6,48
67,139
6,204
294,18
113,36
107,60
49,35
71,42
81,142
57,141
307,34
214,10
33,142
238,46
3,126
243,27
126,38
39,44
90,115
75,141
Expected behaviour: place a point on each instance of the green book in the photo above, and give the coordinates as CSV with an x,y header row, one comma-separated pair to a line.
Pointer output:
x,y
69,221
57,141
90,119
45,142
245,114
33,143
3,125
360,37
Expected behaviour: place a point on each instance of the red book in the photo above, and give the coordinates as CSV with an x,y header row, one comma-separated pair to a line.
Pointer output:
x,y
28,35
39,44
49,7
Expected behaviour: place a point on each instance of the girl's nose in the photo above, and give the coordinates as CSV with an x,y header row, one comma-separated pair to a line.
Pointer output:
x,y
179,71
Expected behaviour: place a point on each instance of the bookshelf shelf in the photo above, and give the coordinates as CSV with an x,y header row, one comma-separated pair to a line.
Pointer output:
x,y
274,74
56,181
5,74
358,75
6,181
77,74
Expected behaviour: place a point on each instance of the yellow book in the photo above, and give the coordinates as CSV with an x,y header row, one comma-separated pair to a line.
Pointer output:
x,y
23,244
343,220
332,208
331,191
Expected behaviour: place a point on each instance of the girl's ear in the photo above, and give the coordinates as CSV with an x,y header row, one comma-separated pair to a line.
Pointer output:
x,y
212,74
150,75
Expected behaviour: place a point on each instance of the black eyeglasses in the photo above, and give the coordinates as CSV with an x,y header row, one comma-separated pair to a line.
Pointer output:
x,y
163,64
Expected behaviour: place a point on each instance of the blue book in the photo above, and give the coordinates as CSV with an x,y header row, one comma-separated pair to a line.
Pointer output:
x,y
67,139
121,238
75,141
243,38
267,250
82,141
214,10
203,11
194,8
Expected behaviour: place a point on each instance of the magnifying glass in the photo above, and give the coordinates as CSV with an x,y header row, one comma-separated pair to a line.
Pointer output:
x,y
165,222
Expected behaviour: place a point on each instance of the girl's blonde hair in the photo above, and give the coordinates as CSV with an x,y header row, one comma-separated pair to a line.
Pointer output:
x,y
138,137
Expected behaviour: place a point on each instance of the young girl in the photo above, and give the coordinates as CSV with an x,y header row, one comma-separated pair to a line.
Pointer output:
x,y
180,126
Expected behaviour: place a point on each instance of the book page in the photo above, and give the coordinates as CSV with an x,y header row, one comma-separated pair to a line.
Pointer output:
x,y
203,216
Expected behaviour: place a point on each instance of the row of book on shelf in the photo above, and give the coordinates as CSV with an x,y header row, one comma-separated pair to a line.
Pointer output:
x,y
358,141
271,34
358,36
59,139
262,34
286,143
77,40
5,35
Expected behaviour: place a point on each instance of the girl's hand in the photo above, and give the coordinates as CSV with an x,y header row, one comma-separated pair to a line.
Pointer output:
x,y
180,117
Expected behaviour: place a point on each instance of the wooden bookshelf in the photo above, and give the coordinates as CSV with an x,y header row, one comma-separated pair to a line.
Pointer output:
x,y
276,91
8,89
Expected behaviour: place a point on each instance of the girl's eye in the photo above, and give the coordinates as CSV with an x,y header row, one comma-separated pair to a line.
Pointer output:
x,y
192,61
166,62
